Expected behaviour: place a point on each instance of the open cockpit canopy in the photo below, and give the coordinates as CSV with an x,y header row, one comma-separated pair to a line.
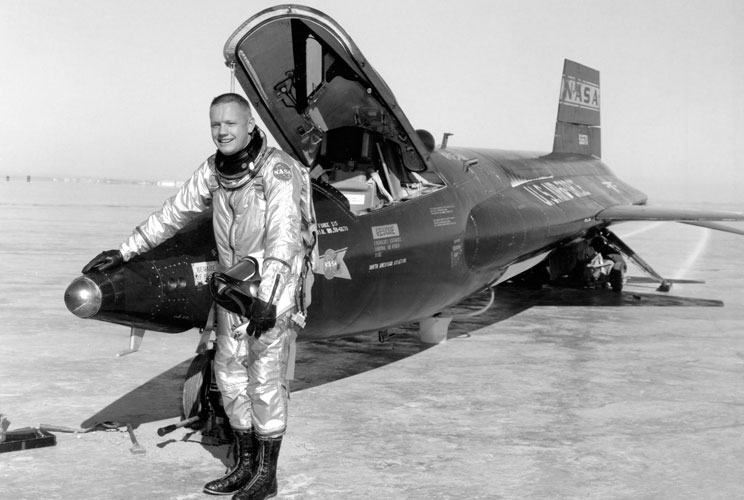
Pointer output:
x,y
321,100
307,79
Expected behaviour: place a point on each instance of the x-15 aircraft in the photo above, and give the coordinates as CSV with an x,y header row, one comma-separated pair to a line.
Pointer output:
x,y
405,228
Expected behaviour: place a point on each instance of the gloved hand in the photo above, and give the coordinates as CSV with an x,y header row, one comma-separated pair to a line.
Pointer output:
x,y
104,261
263,318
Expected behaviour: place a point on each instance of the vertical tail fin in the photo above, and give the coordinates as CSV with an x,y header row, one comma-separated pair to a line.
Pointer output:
x,y
577,129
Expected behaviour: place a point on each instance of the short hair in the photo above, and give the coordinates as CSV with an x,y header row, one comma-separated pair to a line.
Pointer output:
x,y
231,97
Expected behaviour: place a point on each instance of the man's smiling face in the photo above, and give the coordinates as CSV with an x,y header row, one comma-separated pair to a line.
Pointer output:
x,y
231,127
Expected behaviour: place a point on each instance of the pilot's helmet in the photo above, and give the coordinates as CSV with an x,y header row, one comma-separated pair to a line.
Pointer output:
x,y
236,288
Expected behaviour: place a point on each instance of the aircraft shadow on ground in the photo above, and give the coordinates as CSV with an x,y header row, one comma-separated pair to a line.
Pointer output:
x,y
157,399
323,361
522,297
512,299
318,362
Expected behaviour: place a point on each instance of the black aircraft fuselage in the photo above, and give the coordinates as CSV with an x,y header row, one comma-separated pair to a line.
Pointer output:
x,y
433,251
405,228
397,264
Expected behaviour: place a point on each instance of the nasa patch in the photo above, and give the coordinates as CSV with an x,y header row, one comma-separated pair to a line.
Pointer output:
x,y
282,172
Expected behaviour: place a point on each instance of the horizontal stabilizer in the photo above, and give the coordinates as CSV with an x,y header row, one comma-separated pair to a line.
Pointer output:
x,y
647,213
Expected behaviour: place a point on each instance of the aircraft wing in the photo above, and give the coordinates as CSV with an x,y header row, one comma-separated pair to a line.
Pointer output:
x,y
717,227
695,217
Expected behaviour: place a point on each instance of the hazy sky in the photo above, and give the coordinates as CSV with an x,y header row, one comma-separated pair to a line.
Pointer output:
x,y
121,89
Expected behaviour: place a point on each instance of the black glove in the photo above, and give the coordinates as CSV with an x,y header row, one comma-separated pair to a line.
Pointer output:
x,y
104,261
263,318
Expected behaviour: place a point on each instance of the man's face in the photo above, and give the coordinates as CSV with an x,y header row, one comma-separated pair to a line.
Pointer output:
x,y
231,127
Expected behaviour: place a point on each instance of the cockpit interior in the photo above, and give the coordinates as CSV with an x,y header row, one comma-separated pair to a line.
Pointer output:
x,y
361,151
343,128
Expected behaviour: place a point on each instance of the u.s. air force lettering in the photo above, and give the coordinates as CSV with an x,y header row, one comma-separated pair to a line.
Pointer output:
x,y
555,192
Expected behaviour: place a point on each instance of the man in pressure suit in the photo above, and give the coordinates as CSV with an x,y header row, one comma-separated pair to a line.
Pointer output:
x,y
262,208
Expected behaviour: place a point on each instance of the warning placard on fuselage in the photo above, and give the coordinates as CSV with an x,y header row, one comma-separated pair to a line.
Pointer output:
x,y
202,271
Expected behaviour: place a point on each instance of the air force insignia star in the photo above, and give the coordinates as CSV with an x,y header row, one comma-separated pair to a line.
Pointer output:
x,y
282,172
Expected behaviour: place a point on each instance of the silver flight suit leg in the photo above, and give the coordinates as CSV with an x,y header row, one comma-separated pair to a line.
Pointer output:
x,y
267,371
231,373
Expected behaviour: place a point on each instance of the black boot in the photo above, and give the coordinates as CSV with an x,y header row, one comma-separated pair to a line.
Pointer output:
x,y
263,485
242,473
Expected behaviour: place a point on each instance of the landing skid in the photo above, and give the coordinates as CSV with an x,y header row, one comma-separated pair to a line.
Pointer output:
x,y
665,285
135,341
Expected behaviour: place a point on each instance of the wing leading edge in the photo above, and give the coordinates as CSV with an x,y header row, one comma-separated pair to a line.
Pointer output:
x,y
695,217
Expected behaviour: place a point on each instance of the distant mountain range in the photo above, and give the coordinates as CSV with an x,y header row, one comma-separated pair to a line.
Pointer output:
x,y
41,178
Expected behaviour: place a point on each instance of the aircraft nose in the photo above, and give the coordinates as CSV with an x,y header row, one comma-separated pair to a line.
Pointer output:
x,y
83,297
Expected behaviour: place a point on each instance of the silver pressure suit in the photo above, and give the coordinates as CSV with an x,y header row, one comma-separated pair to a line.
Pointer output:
x,y
270,217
